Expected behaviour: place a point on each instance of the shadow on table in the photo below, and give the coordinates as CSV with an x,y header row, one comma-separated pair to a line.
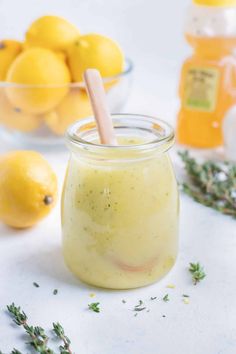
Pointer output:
x,y
43,263
50,264
8,232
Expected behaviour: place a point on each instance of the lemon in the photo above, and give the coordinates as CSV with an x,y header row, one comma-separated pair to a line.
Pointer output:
x,y
9,49
95,51
61,54
25,45
28,188
38,66
14,118
73,107
51,32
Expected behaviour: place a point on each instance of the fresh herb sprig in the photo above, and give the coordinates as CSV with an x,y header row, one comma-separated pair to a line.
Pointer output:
x,y
166,298
60,333
211,184
94,306
197,272
38,338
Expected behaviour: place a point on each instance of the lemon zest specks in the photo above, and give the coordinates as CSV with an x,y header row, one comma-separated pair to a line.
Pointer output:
x,y
170,286
186,300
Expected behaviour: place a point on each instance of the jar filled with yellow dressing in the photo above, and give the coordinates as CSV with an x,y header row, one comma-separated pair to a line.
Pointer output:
x,y
120,204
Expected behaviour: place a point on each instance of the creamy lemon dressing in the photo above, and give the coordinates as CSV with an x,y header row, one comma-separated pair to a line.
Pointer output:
x,y
120,220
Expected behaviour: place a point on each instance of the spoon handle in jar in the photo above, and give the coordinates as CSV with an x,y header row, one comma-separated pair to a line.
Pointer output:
x,y
97,96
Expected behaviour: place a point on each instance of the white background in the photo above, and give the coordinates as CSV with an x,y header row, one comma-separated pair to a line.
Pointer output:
x,y
143,27
151,34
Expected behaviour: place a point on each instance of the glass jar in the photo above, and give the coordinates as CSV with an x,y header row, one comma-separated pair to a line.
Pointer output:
x,y
120,203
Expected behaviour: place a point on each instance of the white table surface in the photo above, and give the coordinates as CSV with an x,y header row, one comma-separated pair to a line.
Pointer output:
x,y
206,325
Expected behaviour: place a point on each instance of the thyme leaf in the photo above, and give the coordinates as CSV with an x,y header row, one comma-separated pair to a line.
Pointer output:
x,y
197,272
94,306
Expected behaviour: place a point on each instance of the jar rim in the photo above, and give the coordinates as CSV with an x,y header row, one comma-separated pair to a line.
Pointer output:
x,y
163,132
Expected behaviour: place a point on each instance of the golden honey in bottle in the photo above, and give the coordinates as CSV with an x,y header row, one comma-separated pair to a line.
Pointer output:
x,y
208,78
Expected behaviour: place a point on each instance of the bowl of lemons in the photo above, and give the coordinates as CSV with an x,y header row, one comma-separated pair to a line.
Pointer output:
x,y
41,79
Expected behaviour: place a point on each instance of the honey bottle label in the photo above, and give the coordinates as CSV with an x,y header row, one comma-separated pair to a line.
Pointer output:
x,y
201,89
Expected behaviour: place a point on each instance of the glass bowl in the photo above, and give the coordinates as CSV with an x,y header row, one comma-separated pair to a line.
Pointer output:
x,y
40,114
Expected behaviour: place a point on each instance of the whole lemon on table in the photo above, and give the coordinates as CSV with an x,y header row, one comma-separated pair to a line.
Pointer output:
x,y
95,51
28,188
14,118
9,49
74,106
51,32
37,67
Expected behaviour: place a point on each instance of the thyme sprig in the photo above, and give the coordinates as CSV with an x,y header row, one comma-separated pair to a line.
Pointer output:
x,y
94,306
197,272
38,338
166,298
60,333
211,183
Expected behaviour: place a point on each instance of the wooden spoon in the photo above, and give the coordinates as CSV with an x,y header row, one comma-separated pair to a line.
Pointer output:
x,y
97,97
